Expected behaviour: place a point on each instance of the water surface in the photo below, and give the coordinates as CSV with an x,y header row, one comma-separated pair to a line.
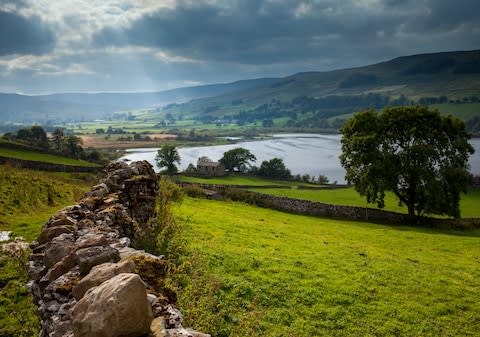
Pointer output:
x,y
304,153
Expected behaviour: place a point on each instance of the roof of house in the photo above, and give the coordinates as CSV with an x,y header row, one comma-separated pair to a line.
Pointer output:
x,y
209,164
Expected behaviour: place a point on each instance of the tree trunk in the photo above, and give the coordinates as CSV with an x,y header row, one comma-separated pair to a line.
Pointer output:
x,y
411,211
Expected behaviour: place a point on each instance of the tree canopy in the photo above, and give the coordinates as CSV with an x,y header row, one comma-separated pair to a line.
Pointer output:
x,y
418,154
166,157
274,168
237,159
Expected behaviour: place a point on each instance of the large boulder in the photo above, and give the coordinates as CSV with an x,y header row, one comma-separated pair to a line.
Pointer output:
x,y
117,307
100,274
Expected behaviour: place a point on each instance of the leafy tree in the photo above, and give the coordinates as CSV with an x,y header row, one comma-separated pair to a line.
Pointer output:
x,y
39,136
237,159
73,146
419,155
322,179
166,157
274,168
57,139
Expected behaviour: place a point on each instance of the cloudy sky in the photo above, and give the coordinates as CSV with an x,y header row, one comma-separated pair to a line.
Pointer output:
x,y
144,45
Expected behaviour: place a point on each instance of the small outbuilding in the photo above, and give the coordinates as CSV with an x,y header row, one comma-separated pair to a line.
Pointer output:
x,y
209,168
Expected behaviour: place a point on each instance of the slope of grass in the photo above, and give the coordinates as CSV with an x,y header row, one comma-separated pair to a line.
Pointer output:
x,y
42,157
27,199
241,180
464,111
469,204
267,273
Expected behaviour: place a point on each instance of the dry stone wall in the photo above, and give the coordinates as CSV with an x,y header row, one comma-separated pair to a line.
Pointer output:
x,y
307,207
86,278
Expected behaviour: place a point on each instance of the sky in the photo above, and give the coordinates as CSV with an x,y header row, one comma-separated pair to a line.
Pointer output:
x,y
51,46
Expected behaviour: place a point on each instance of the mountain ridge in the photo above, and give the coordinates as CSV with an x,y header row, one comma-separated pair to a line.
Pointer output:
x,y
453,74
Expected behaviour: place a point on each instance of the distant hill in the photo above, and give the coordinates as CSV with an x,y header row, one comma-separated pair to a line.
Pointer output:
x,y
86,106
450,75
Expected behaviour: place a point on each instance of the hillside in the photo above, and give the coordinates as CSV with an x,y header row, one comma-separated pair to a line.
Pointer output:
x,y
403,80
308,99
17,108
259,272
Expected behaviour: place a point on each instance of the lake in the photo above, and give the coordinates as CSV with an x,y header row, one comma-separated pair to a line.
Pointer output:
x,y
304,153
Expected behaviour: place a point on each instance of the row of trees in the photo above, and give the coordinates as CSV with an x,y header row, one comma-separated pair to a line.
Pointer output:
x,y
415,152
235,160
59,142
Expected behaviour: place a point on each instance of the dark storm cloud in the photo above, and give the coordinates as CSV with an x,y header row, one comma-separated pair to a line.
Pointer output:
x,y
260,32
20,35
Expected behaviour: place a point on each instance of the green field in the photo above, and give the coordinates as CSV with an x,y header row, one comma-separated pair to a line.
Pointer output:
x,y
27,199
240,180
258,272
469,204
464,111
42,157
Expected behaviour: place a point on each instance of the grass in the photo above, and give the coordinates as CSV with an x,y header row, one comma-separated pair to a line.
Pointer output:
x,y
349,197
267,273
464,111
42,157
27,199
18,314
240,180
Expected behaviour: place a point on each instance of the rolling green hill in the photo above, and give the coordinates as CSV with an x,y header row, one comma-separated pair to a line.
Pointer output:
x,y
258,272
15,108
452,77
309,99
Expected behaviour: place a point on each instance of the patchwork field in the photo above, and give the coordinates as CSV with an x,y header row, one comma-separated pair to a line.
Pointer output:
x,y
258,272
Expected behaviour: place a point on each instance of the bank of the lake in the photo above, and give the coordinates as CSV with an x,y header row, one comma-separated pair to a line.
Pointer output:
x,y
303,153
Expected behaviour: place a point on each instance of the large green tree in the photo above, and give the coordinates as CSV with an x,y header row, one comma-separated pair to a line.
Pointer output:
x,y
418,154
166,157
237,159
274,168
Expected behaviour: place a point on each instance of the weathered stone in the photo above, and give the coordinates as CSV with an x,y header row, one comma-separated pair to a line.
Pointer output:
x,y
61,288
173,317
63,220
94,240
117,307
98,191
85,223
49,233
36,269
61,267
92,256
101,273
59,247
157,328
82,237
181,332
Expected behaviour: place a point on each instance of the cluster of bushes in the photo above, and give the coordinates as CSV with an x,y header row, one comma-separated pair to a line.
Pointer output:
x,y
59,142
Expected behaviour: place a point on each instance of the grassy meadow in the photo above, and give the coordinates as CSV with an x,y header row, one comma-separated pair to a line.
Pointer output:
x,y
469,203
42,157
27,199
241,180
258,272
